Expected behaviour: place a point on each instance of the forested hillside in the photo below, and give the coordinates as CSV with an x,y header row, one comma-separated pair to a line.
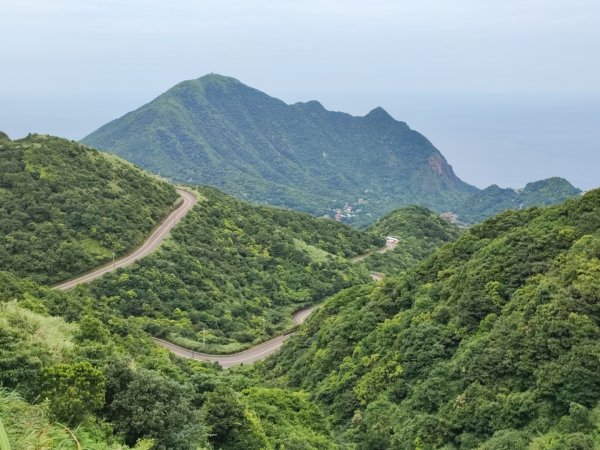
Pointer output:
x,y
64,208
218,131
492,343
94,380
79,369
233,274
420,232
494,199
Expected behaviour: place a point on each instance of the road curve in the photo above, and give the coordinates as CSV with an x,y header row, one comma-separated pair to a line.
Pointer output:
x,y
261,351
151,244
253,354
386,248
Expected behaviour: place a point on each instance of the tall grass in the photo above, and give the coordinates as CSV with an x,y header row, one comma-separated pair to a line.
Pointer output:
x,y
31,426
50,333
4,444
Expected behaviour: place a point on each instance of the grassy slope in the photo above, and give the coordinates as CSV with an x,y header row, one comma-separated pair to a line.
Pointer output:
x,y
65,208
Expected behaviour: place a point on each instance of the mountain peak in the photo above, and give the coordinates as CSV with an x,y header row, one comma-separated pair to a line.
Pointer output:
x,y
379,114
556,182
311,105
219,131
215,78
4,136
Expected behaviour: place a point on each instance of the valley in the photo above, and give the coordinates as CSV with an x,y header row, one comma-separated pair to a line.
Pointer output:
x,y
381,233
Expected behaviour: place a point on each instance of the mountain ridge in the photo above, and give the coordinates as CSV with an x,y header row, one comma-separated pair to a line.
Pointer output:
x,y
215,130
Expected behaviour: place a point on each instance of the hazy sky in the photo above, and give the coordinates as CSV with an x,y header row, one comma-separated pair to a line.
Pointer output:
x,y
508,90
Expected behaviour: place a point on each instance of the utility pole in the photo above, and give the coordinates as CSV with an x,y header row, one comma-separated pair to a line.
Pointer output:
x,y
114,264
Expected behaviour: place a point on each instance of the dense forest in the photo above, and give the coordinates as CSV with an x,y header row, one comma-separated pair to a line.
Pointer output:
x,y
491,343
232,274
65,208
420,232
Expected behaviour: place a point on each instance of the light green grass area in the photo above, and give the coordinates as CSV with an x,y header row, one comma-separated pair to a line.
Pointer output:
x,y
4,444
52,333
94,248
317,254
31,427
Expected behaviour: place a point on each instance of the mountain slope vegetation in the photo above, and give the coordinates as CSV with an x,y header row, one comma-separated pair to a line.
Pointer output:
x,y
494,199
491,343
94,380
64,208
79,368
420,232
218,131
234,273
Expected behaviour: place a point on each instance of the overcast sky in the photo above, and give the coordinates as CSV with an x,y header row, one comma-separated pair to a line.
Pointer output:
x,y
508,90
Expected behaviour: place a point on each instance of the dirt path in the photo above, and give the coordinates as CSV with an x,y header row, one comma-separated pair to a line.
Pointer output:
x,y
151,244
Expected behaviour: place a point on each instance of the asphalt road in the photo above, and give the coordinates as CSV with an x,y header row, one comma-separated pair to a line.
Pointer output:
x,y
253,354
386,248
151,244
260,351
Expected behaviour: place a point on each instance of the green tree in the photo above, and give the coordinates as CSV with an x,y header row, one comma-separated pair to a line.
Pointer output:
x,y
145,404
231,425
74,390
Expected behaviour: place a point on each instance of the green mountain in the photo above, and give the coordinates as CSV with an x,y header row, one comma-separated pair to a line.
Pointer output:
x,y
232,274
420,232
64,208
218,131
494,199
493,342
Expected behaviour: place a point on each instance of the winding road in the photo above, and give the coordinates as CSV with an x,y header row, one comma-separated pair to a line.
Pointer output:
x,y
152,243
260,351
253,354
